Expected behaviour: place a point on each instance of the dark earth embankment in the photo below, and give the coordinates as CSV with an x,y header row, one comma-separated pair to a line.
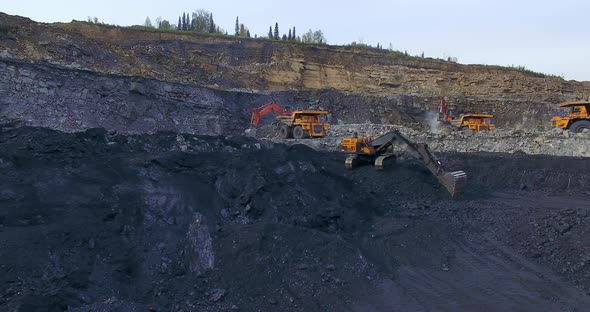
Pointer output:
x,y
75,100
104,222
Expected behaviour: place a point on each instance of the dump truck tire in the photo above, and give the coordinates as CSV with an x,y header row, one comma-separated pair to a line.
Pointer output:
x,y
298,132
284,132
580,125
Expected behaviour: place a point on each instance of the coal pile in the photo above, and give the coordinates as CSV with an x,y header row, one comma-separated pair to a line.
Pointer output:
x,y
96,221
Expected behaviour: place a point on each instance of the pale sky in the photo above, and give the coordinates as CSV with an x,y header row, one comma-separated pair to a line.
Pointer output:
x,y
551,37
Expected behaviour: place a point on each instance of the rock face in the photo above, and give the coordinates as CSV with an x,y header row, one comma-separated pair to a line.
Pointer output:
x,y
357,85
200,251
72,100
259,64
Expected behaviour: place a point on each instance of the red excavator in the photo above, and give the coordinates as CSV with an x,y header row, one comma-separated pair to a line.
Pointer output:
x,y
266,109
293,124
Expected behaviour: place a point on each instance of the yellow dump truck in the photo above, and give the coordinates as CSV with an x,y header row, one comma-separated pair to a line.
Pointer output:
x,y
474,121
296,124
574,116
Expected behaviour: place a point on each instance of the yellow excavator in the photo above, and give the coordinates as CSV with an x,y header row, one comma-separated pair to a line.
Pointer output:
x,y
380,149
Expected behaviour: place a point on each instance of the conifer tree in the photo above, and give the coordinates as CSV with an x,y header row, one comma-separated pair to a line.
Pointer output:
x,y
183,21
188,22
148,22
179,23
293,36
211,24
270,36
276,36
237,27
289,36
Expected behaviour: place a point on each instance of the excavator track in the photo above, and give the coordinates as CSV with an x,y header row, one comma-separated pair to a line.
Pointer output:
x,y
350,162
380,160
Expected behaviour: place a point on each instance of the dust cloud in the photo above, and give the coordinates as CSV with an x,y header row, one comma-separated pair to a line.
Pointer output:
x,y
432,121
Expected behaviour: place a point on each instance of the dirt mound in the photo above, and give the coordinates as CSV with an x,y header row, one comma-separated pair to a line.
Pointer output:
x,y
98,221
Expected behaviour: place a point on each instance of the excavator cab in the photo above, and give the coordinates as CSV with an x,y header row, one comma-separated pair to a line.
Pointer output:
x,y
357,145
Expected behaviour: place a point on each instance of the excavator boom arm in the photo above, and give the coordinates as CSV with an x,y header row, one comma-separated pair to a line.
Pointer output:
x,y
264,110
452,181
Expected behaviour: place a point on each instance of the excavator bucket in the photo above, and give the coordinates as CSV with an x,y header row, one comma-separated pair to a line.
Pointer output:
x,y
454,182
